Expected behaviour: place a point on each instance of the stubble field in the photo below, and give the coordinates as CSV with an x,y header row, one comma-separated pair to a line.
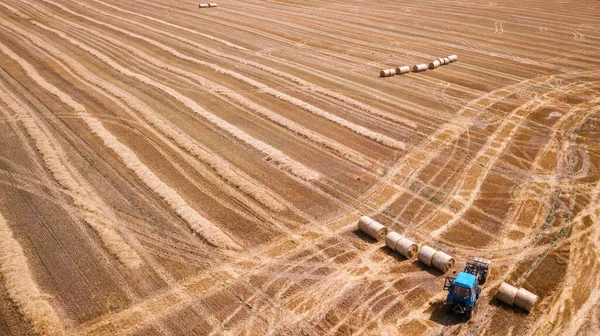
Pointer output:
x,y
166,169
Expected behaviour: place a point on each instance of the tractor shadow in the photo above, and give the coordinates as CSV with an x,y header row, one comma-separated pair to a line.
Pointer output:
x,y
440,315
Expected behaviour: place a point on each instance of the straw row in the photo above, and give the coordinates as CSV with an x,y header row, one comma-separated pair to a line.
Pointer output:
x,y
274,155
222,167
307,85
200,225
84,200
22,288
375,136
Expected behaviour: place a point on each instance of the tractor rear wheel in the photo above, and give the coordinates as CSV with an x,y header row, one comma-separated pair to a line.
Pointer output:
x,y
483,278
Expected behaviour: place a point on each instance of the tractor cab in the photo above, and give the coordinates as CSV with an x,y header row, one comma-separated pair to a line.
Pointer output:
x,y
463,291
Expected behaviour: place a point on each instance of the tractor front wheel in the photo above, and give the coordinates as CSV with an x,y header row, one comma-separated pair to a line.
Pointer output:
x,y
470,313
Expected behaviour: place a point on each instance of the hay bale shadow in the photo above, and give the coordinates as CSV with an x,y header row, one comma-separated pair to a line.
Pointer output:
x,y
504,306
364,237
429,269
388,251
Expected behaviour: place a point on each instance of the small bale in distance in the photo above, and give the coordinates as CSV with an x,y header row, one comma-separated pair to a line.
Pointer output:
x,y
402,70
203,5
387,73
426,254
446,60
443,61
506,293
212,4
525,299
434,65
419,67
442,261
453,58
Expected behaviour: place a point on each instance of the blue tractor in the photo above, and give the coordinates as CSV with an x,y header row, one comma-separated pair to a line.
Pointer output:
x,y
463,290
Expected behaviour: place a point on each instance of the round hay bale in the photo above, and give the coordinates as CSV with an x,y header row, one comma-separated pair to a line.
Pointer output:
x,y
402,70
506,293
203,5
391,239
372,227
434,65
453,58
525,299
212,4
442,261
406,247
363,223
377,230
442,61
446,60
387,73
426,254
419,67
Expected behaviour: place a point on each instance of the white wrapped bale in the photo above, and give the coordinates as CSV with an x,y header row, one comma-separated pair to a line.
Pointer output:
x,y
506,293
434,65
419,67
392,239
446,60
203,5
443,61
387,72
406,247
372,227
426,254
212,4
402,70
453,58
525,299
442,261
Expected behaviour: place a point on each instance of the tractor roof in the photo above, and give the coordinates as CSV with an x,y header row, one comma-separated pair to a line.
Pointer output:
x,y
465,280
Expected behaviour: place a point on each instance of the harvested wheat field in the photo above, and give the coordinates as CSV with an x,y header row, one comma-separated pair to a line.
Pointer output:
x,y
167,169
